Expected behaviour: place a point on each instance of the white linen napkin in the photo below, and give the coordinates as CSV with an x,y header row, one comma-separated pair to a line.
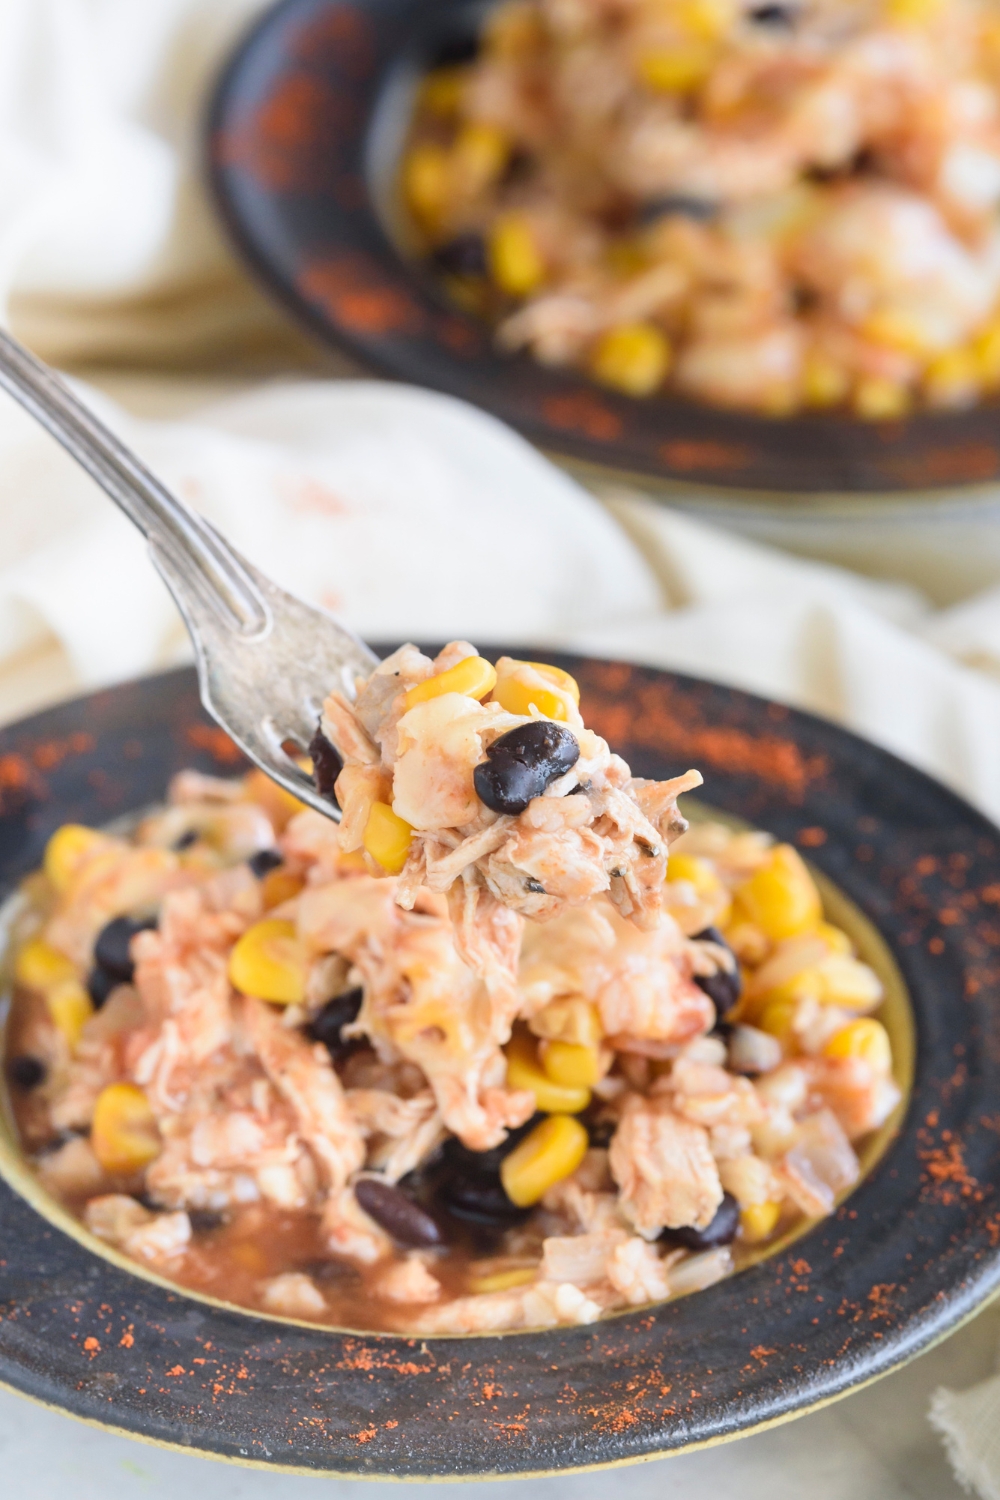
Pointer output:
x,y
967,1421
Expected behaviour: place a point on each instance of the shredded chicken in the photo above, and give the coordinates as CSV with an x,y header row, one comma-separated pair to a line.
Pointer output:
x,y
422,1003
391,1062
664,1169
559,852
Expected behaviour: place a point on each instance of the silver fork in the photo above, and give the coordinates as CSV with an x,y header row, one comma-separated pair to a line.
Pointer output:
x,y
265,660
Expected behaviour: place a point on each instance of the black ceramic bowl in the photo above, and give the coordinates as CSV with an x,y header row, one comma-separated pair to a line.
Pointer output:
x,y
305,131
912,871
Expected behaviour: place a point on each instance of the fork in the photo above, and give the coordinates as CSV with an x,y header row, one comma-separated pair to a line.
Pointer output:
x,y
265,659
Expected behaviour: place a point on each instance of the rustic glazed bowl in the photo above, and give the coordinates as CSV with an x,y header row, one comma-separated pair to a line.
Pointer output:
x,y
304,136
912,872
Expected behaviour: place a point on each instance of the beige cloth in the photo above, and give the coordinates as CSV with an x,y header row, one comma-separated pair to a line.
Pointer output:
x,y
108,246
967,1420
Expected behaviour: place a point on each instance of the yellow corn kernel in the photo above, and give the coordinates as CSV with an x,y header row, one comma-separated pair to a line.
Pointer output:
x,y
427,181
866,1039
570,1063
569,1019
896,330
514,258
387,837
824,382
696,871
441,92
474,676
913,12
123,1134
39,965
849,983
552,1151
561,679
781,897
839,980
270,962
279,886
879,400
479,155
777,1018
70,1008
675,70
502,1281
517,696
66,850
524,1072
987,352
758,1222
835,938
633,358
951,380
707,19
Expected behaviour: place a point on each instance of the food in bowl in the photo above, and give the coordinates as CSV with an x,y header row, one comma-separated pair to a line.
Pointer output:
x,y
252,1051
767,207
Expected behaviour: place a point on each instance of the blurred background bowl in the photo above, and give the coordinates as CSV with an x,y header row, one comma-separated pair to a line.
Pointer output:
x,y
305,130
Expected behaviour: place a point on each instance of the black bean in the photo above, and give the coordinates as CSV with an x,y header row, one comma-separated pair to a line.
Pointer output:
x,y
469,1185
340,1271
397,1214
111,951
326,1024
804,299
725,987
721,1231
465,255
204,1220
185,841
600,1132
520,764
862,162
57,1142
100,983
773,15
701,209
460,47
327,765
520,167
459,1158
26,1072
480,1200
265,860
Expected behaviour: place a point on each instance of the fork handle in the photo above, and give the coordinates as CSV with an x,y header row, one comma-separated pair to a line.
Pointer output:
x,y
198,554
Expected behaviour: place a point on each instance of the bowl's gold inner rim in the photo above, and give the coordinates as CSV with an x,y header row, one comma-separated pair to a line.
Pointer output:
x,y
895,1013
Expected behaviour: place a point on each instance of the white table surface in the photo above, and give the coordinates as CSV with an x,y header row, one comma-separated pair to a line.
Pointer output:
x,y
875,1445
